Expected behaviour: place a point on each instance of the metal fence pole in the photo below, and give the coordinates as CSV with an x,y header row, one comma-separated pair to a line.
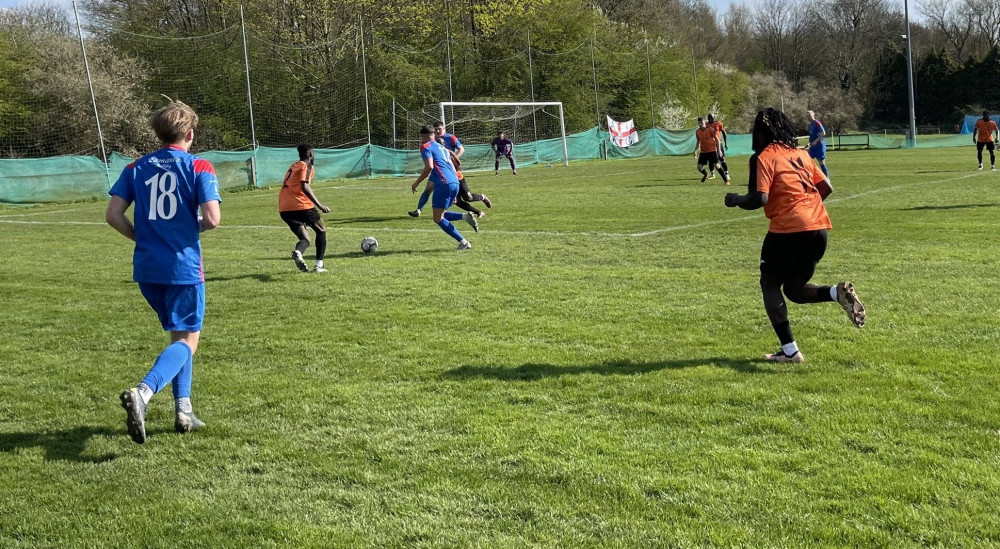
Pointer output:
x,y
649,78
253,131
531,82
364,74
597,101
93,98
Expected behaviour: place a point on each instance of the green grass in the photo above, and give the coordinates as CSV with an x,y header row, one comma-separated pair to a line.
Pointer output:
x,y
588,375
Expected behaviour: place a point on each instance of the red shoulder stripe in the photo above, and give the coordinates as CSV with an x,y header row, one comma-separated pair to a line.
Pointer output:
x,y
202,165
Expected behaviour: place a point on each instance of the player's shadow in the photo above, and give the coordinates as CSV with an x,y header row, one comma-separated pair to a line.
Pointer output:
x,y
259,277
660,183
530,371
366,219
59,445
952,207
361,255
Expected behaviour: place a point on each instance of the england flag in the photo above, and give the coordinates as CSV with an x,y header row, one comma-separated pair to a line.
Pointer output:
x,y
623,134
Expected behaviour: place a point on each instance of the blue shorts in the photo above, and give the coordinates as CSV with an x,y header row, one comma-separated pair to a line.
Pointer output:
x,y
181,308
819,152
444,195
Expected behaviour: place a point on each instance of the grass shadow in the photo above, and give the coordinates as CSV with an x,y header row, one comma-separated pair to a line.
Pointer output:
x,y
530,371
953,207
259,277
60,445
365,219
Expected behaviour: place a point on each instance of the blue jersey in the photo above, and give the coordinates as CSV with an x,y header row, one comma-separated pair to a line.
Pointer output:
x,y
443,171
167,187
815,129
451,142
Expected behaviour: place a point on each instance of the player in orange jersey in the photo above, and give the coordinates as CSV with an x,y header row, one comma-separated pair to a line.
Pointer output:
x,y
790,188
723,145
297,206
706,149
982,136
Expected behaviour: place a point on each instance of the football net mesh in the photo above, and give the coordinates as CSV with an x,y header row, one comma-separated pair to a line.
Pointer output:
x,y
527,125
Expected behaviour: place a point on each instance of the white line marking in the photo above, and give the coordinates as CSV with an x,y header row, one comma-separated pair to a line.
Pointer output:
x,y
41,213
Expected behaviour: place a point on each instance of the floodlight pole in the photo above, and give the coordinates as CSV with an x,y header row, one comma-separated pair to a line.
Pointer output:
x,y
911,140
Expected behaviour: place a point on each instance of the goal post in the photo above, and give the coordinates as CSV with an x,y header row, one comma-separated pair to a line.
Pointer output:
x,y
536,127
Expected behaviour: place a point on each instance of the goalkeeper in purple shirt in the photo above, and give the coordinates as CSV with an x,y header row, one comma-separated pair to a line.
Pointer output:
x,y
503,147
175,196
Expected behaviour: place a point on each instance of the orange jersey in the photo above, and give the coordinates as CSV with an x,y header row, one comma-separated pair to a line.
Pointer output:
x,y
789,178
291,198
718,127
707,139
984,130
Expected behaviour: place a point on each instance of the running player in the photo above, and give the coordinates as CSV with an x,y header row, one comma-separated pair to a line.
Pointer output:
x,y
438,166
502,147
983,134
817,147
297,207
720,130
465,196
791,190
706,149
168,187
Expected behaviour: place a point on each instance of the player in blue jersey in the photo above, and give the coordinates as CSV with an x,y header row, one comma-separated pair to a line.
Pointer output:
x,y
503,147
168,187
465,196
817,147
441,172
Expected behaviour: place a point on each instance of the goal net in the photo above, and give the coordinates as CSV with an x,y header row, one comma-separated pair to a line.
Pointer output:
x,y
538,131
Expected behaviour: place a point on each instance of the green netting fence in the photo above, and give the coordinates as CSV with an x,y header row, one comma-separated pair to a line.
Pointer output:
x,y
70,178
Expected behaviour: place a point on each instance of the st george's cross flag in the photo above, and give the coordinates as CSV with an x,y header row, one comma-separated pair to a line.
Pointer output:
x,y
623,134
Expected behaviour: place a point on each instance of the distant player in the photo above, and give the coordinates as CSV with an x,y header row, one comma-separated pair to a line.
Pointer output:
x,y
983,136
297,205
817,147
465,196
438,167
791,190
168,187
503,147
720,131
706,149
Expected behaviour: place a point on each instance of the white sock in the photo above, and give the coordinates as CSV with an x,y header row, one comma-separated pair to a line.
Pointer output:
x,y
319,263
145,392
833,293
790,348
183,405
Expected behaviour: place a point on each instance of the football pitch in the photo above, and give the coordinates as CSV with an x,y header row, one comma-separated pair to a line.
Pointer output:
x,y
589,374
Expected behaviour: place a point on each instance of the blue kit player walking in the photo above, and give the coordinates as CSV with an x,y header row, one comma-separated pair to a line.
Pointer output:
x,y
817,147
438,167
168,187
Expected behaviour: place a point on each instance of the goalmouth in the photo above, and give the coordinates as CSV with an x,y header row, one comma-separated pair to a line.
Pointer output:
x,y
536,128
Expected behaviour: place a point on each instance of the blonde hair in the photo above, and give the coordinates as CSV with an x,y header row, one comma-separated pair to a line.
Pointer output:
x,y
171,123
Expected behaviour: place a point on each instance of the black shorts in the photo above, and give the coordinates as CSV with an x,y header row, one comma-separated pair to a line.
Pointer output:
x,y
988,144
298,218
788,256
708,158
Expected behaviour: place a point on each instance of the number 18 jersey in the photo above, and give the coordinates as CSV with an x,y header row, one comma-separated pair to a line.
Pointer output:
x,y
167,186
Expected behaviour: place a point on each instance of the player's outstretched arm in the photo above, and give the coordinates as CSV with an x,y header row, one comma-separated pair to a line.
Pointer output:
x,y
749,201
115,216
211,215
307,190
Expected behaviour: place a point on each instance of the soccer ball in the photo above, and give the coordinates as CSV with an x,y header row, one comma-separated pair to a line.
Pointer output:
x,y
369,244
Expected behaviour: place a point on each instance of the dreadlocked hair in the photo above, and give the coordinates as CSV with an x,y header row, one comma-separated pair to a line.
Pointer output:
x,y
772,126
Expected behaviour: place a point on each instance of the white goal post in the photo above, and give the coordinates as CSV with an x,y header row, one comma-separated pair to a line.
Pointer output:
x,y
517,109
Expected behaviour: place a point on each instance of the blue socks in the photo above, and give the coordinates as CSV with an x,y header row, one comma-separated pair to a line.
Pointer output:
x,y
825,172
424,197
448,228
173,364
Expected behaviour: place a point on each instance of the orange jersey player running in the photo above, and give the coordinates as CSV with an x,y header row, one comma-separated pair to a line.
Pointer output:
x,y
297,206
707,150
983,136
723,145
790,188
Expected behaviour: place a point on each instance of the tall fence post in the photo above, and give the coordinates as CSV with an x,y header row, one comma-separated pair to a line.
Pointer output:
x,y
93,98
649,78
597,102
531,83
364,74
253,131
694,68
393,122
